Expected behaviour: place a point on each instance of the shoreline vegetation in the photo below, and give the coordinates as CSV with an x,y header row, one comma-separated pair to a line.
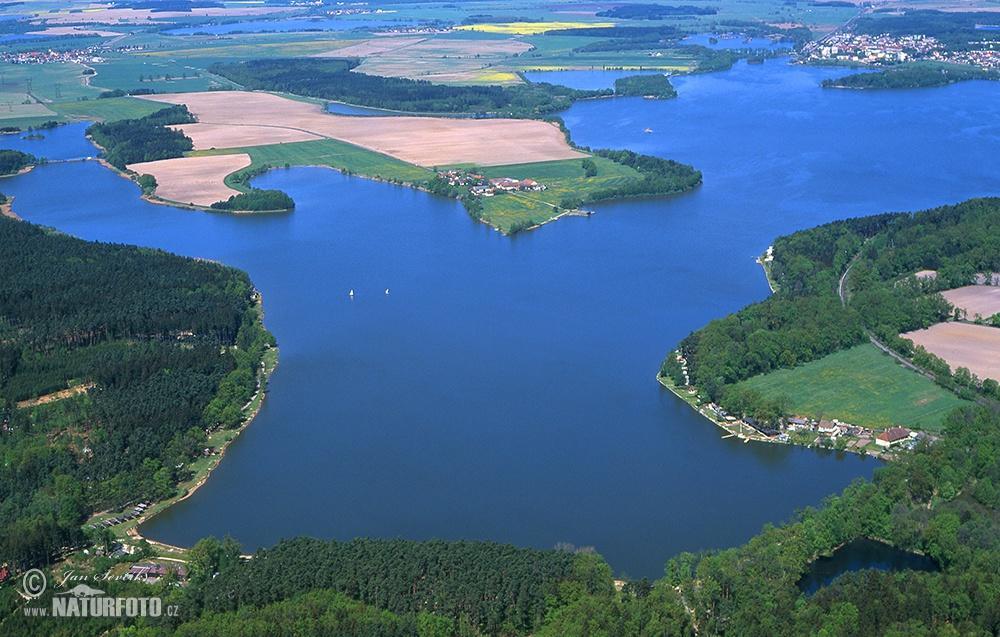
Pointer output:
x,y
192,307
910,76
836,287
606,175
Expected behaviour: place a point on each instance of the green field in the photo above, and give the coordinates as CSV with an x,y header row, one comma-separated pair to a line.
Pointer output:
x,y
107,110
561,178
330,152
861,386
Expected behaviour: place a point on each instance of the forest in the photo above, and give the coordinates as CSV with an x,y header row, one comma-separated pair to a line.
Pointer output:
x,y
654,85
257,200
333,79
805,320
161,349
11,161
942,501
915,75
130,141
654,11
659,176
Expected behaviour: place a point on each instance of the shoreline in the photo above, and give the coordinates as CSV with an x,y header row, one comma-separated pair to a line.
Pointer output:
x,y
736,429
7,210
131,531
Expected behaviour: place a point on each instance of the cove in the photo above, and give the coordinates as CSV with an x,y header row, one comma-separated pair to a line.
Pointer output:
x,y
504,389
860,555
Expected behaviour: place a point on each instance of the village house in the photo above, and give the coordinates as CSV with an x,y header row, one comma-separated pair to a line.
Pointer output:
x,y
892,436
826,427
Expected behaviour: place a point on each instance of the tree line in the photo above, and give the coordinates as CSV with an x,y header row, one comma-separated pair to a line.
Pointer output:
x,y
334,79
805,319
131,141
169,348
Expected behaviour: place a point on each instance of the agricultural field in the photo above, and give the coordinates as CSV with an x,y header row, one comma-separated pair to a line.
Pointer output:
x,y
107,109
56,82
198,181
163,76
975,300
561,178
975,347
424,141
861,386
333,153
529,28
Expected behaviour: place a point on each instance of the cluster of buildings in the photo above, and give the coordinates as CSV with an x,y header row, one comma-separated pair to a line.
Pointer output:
x,y
823,431
874,50
482,187
151,572
884,49
78,56
987,59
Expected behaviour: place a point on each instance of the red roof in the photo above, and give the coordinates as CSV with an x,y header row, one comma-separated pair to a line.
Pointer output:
x,y
894,434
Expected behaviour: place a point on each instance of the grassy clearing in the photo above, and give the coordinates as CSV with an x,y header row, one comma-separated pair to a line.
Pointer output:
x,y
109,109
20,106
46,82
329,152
162,76
861,386
561,178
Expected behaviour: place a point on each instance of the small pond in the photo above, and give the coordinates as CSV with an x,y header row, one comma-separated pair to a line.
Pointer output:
x,y
860,555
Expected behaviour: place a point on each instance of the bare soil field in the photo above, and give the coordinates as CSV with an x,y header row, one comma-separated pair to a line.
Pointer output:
x,y
210,136
424,141
440,60
75,31
193,180
975,347
366,48
983,300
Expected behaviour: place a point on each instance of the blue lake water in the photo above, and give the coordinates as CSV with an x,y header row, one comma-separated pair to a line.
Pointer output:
x,y
505,389
288,25
705,39
861,555
584,80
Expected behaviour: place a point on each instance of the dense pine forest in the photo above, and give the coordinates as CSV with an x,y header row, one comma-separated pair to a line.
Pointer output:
x,y
806,320
333,79
152,350
942,500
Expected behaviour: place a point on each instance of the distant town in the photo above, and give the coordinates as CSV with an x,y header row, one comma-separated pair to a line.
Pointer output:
x,y
884,50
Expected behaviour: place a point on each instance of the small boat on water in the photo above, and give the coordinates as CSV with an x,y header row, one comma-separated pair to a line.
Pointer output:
x,y
648,130
351,293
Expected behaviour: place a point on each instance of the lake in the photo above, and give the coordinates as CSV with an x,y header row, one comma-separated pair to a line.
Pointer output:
x,y
505,388
731,42
860,555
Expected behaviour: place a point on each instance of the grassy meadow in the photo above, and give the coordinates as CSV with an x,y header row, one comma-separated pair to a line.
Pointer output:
x,y
329,152
561,178
861,386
